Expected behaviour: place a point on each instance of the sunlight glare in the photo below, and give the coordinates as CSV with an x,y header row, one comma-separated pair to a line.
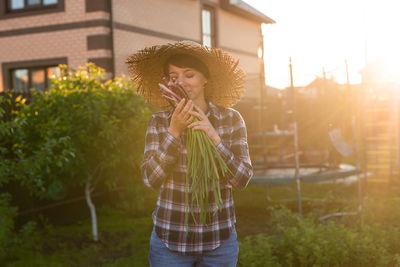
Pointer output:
x,y
322,34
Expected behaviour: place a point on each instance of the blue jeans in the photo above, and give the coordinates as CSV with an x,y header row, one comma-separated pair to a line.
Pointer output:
x,y
224,255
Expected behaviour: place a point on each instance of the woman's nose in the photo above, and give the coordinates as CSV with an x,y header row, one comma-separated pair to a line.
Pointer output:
x,y
179,80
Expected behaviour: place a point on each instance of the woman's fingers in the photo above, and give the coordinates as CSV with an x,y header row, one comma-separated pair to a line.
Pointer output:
x,y
189,120
186,117
200,113
195,124
199,110
187,107
180,105
185,112
200,127
196,114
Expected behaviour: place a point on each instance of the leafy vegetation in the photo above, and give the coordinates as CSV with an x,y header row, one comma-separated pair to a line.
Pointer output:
x,y
122,242
79,131
82,132
270,233
10,239
306,242
87,127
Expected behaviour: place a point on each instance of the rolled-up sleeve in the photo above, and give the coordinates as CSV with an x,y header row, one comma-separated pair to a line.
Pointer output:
x,y
161,151
237,157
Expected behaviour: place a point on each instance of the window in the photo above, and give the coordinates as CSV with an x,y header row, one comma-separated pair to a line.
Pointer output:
x,y
207,26
38,78
25,5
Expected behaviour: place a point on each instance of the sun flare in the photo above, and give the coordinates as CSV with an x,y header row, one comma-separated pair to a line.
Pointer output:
x,y
324,36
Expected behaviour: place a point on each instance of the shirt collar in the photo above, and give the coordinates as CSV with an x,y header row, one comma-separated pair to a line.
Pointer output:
x,y
212,110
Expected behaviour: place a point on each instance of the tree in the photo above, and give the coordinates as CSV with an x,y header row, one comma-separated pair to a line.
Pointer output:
x,y
82,131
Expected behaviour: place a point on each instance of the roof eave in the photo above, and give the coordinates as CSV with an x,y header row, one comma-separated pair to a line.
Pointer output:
x,y
243,9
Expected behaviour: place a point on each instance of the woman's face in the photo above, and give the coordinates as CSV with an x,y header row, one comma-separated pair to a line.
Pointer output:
x,y
192,81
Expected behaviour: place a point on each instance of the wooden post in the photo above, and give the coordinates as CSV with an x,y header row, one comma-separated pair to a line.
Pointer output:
x,y
296,138
297,170
262,96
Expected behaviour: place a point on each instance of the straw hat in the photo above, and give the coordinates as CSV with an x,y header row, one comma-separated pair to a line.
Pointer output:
x,y
224,86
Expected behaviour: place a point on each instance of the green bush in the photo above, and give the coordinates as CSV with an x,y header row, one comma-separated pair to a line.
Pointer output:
x,y
9,104
300,241
84,132
257,251
7,214
10,240
81,127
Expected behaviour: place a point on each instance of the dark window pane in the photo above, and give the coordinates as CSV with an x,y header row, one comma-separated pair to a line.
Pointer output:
x,y
38,77
50,2
20,80
33,2
16,4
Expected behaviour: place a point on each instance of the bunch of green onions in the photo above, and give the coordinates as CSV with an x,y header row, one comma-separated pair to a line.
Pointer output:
x,y
204,161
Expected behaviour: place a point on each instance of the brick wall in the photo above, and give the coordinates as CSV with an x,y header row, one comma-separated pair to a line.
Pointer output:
x,y
82,32
75,11
53,35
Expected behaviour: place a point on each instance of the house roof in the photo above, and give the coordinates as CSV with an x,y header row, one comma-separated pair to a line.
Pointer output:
x,y
245,10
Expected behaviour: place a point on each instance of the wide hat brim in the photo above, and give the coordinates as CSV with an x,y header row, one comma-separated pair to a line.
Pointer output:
x,y
224,86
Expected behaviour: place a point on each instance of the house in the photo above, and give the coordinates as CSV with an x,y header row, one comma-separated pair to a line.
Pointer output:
x,y
36,36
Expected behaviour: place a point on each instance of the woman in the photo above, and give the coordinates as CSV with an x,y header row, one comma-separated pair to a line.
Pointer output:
x,y
213,83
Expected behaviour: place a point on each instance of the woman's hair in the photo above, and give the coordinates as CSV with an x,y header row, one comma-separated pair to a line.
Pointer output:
x,y
186,61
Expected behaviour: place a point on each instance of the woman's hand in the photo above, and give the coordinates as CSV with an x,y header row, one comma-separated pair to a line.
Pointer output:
x,y
181,118
204,125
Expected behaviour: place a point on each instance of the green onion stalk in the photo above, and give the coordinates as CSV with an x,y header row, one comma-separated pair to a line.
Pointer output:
x,y
203,163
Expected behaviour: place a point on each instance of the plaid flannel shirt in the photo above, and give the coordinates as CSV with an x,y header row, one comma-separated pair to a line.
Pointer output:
x,y
164,166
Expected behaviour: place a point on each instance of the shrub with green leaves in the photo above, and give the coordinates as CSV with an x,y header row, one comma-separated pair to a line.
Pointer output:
x,y
10,239
7,214
9,104
305,241
81,132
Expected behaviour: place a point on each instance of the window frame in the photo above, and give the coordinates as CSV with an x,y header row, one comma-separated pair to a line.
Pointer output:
x,y
30,70
6,12
9,67
27,7
213,34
